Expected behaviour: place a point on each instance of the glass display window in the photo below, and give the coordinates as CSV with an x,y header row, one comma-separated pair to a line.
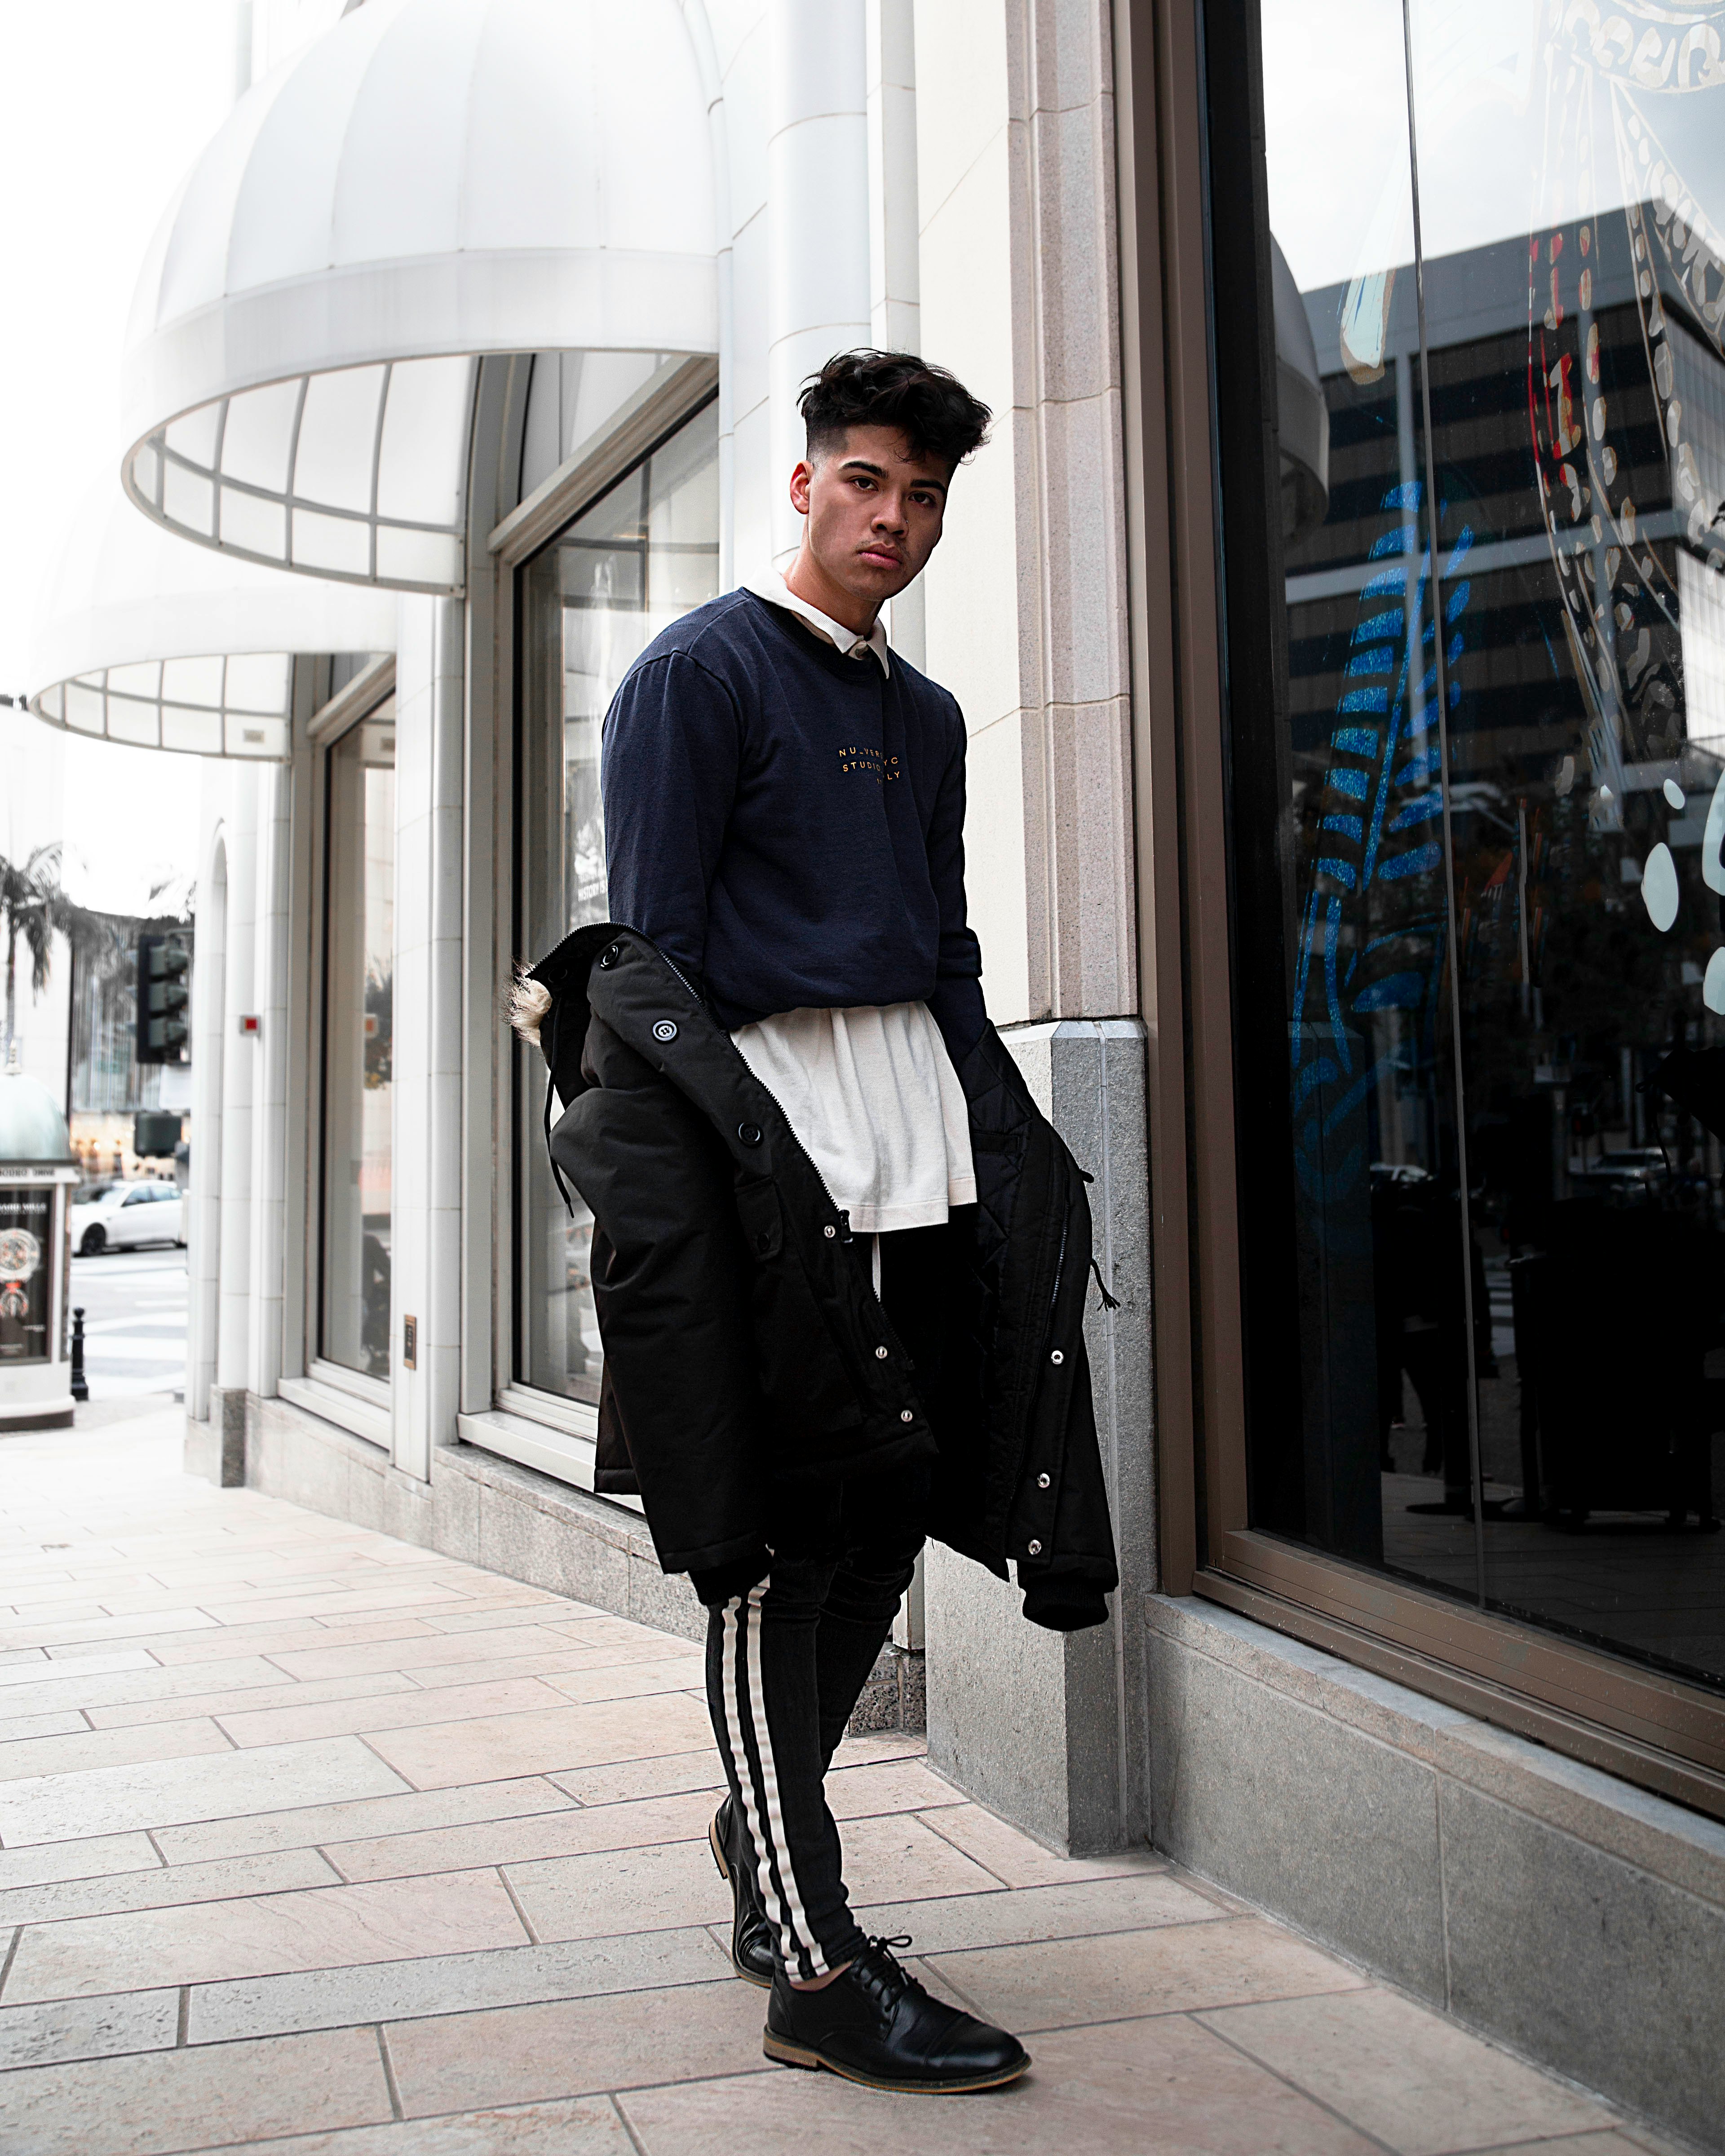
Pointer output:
x,y
355,1241
589,603
1475,714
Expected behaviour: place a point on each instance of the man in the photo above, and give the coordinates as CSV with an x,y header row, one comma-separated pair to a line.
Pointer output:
x,y
839,1258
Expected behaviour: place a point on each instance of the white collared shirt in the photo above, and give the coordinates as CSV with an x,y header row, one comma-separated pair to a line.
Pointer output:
x,y
871,1094
773,588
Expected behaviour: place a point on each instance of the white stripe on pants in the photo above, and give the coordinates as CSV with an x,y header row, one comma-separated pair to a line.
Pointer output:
x,y
762,1813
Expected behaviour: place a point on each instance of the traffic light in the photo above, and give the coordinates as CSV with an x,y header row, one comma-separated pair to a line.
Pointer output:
x,y
164,991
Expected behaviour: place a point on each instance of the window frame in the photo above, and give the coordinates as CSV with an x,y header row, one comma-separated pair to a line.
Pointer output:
x,y
541,1429
1197,423
360,1403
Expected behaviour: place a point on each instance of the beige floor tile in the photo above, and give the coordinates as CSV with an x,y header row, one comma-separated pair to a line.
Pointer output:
x,y
575,1831
19,1674
1015,1860
883,1745
572,2047
896,1785
501,1661
899,1859
452,1983
156,2101
499,1615
98,1857
271,1934
85,1691
626,1781
621,1890
167,1886
1180,1968
1587,2144
105,1800
249,1700
424,1651
311,1826
1139,2088
1415,2081
368,1602
559,1737
399,1709
276,1639
632,1680
37,1756
1021,1916
86,2029
99,1631
580,2126
19,1728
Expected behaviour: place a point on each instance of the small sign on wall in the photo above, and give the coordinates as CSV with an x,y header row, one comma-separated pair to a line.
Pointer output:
x,y
410,1342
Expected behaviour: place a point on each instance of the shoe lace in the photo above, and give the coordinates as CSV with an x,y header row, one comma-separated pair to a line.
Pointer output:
x,y
878,1966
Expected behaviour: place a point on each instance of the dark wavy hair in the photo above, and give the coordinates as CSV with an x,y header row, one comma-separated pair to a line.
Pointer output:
x,y
931,409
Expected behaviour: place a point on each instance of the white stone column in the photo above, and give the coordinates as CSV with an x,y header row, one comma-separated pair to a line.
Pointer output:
x,y
269,1058
818,210
425,1227
203,1238
239,1072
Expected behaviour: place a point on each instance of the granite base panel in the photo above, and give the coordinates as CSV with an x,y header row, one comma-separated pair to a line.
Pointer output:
x,y
896,1697
477,1507
1568,1915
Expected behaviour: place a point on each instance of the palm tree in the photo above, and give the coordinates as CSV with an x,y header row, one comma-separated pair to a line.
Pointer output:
x,y
33,905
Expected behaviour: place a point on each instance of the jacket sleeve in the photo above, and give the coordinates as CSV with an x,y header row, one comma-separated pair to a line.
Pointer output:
x,y
957,1003
669,761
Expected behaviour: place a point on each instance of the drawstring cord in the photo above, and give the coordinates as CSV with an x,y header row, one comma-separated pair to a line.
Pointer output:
x,y
1109,1301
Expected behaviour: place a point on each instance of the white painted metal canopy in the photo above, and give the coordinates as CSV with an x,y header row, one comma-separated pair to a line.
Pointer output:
x,y
429,181
143,638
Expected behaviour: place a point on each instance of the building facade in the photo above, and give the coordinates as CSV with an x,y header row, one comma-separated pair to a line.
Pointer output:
x,y
1337,614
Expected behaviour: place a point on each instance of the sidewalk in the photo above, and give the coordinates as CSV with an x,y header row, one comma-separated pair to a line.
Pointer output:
x,y
313,1840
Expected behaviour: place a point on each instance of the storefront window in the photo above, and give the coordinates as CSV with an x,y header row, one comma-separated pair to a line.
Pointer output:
x,y
1477,757
359,979
647,552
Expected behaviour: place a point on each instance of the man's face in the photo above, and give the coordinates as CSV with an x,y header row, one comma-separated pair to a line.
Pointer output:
x,y
874,512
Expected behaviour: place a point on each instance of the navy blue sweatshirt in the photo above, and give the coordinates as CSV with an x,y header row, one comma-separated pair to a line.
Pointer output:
x,y
787,825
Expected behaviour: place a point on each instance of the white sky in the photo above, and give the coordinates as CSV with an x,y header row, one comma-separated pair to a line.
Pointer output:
x,y
108,103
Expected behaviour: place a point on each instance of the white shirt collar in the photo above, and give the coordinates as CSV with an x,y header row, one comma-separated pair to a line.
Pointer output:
x,y
773,588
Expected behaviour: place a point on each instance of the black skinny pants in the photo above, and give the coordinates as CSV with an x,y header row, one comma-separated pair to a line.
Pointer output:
x,y
787,1659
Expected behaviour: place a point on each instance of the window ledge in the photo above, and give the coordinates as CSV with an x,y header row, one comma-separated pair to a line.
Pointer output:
x,y
563,1452
346,1410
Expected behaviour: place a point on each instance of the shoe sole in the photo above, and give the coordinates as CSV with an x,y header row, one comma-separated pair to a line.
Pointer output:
x,y
792,2054
749,1976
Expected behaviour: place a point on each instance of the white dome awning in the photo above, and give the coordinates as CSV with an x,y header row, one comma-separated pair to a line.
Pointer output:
x,y
142,638
429,181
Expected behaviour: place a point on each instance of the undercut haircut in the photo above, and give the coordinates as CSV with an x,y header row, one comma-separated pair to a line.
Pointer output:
x,y
932,409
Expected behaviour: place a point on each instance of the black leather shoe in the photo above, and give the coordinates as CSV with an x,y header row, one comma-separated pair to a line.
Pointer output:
x,y
877,2026
752,1954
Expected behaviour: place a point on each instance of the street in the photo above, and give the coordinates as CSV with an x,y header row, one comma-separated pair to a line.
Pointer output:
x,y
134,1304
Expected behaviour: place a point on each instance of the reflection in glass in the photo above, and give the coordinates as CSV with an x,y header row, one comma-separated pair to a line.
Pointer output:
x,y
1498,777
359,979
591,601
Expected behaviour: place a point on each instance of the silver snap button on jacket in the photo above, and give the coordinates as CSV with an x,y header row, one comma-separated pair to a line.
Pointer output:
x,y
665,1030
1036,1549
1057,1357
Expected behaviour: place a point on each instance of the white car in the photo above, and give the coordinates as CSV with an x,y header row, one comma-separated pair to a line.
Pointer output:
x,y
122,1215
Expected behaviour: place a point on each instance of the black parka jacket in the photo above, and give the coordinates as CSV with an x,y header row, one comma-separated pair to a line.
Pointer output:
x,y
744,1343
